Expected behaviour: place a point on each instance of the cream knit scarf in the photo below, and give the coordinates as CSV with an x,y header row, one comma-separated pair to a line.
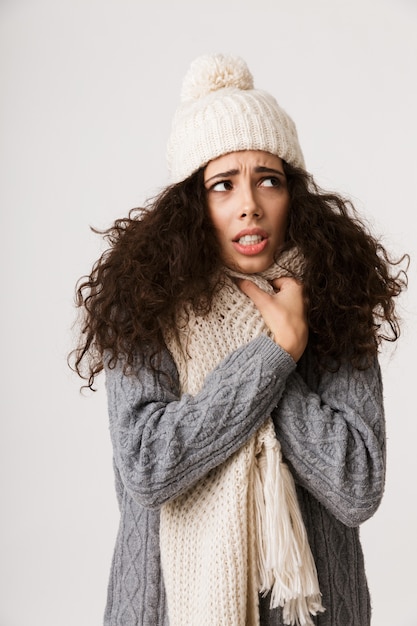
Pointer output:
x,y
239,530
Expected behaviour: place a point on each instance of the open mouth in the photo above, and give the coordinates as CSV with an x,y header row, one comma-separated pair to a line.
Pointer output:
x,y
251,243
249,240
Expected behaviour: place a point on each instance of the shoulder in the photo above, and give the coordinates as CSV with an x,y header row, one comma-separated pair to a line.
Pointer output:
x,y
318,376
149,368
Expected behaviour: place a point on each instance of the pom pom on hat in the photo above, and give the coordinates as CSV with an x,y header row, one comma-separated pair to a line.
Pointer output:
x,y
211,73
221,112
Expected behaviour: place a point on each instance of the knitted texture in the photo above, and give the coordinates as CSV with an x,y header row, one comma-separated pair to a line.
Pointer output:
x,y
239,530
221,112
148,416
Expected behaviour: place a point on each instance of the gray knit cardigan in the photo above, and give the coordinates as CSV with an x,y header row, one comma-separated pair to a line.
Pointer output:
x,y
331,429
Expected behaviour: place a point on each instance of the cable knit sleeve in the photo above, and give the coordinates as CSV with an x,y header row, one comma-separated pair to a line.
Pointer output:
x,y
164,442
334,439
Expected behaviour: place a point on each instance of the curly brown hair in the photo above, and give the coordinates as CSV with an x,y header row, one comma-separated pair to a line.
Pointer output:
x,y
166,254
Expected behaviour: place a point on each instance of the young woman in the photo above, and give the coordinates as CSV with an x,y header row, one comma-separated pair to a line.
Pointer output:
x,y
238,319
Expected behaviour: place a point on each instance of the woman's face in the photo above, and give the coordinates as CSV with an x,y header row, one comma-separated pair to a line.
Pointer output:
x,y
248,204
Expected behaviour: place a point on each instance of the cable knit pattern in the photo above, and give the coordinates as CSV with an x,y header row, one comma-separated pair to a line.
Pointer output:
x,y
164,442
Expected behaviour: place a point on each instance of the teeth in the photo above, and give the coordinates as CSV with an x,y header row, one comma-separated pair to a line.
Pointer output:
x,y
247,240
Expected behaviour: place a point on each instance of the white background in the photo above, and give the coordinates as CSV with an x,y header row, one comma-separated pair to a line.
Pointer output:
x,y
87,92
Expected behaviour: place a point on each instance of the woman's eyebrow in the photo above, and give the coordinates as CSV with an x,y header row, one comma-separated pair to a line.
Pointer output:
x,y
222,175
261,169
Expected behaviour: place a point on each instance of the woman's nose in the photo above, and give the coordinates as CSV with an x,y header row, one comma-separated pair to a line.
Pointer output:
x,y
249,207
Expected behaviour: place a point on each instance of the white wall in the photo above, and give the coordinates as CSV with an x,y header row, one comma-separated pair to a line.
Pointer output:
x,y
87,91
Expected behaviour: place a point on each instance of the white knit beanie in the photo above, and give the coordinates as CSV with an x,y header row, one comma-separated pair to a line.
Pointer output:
x,y
221,112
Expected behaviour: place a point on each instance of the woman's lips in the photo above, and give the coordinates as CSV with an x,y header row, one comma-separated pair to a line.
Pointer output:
x,y
250,242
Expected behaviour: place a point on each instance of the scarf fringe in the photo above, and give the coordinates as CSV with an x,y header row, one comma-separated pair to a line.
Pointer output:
x,y
285,563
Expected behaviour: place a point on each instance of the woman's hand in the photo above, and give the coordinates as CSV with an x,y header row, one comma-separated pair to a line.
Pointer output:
x,y
284,312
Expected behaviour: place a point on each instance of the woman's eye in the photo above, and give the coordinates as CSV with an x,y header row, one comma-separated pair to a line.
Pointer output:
x,y
223,185
271,181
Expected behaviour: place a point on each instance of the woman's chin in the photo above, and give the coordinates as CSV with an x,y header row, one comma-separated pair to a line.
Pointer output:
x,y
249,265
